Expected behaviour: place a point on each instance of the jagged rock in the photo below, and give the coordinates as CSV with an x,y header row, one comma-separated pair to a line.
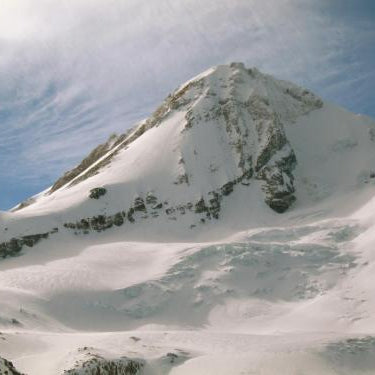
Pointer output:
x,y
255,130
118,219
24,204
96,365
14,246
120,143
281,204
181,210
151,199
200,207
278,183
70,225
85,224
101,222
276,159
182,179
227,188
130,215
307,98
170,210
7,368
98,192
139,205
215,205
94,155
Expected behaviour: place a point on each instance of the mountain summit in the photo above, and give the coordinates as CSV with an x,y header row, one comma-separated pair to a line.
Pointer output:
x,y
222,128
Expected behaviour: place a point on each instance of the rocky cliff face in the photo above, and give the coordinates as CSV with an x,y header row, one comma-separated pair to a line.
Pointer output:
x,y
246,109
96,364
87,162
7,368
14,246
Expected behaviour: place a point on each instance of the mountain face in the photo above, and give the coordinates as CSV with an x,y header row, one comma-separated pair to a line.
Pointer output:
x,y
7,368
240,113
230,232
227,135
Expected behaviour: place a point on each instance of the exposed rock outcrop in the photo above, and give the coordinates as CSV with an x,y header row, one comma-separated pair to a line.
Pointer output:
x,y
90,362
15,245
94,156
276,160
253,127
98,365
23,204
98,192
7,368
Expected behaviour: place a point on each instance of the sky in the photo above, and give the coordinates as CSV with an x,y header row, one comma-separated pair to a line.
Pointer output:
x,y
72,72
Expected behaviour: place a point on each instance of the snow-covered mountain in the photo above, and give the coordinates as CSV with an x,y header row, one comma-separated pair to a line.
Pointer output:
x,y
230,231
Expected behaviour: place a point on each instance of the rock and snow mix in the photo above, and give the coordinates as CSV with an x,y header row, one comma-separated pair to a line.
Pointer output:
x,y
229,233
7,368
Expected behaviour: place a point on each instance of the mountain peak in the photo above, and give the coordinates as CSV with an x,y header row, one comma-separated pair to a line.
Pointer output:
x,y
240,112
229,134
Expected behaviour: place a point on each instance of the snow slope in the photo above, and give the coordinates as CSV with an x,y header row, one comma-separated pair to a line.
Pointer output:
x,y
230,233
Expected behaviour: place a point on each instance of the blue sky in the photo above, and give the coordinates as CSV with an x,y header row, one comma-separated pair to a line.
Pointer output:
x,y
72,72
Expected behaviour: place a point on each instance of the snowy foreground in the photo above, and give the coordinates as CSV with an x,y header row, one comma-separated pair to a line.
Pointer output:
x,y
233,232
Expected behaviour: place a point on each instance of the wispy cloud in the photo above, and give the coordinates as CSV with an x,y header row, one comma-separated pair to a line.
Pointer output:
x,y
72,72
